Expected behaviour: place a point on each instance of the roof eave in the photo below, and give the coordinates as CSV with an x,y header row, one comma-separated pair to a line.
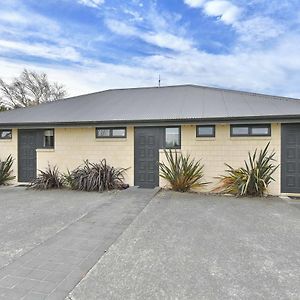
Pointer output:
x,y
244,119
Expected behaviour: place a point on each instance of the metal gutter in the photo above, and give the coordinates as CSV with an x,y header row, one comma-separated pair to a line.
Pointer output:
x,y
231,120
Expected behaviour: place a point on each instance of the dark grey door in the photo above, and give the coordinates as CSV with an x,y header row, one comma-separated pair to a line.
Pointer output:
x,y
147,142
28,141
290,158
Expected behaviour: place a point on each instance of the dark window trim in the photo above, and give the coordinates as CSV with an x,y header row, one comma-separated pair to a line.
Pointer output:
x,y
6,138
250,128
111,136
207,135
49,147
177,147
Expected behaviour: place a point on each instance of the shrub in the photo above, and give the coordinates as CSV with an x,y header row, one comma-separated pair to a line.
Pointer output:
x,y
182,172
48,179
69,180
6,170
253,179
95,177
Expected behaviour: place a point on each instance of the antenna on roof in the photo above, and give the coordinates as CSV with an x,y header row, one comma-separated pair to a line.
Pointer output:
x,y
159,80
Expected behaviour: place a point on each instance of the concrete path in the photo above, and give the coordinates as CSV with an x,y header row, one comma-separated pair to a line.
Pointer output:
x,y
28,218
53,268
188,246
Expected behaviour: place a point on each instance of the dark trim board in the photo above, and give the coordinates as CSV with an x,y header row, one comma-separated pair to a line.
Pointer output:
x,y
147,142
290,158
158,122
28,141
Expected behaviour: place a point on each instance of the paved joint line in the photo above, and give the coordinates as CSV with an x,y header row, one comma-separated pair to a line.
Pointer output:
x,y
156,192
50,269
49,238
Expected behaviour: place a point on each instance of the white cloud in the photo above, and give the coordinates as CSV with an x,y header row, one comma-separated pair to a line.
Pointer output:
x,y
225,10
21,27
257,69
151,26
80,79
18,24
121,28
167,40
134,15
12,17
251,30
259,29
91,3
274,71
17,16
39,50
160,39
194,3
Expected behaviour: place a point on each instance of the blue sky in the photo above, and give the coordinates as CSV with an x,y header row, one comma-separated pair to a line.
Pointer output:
x,y
91,45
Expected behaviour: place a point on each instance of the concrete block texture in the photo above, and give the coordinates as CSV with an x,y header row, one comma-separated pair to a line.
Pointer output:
x,y
215,152
73,145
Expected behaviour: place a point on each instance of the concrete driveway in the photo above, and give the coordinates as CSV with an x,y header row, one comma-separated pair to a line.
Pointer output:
x,y
49,240
27,218
188,246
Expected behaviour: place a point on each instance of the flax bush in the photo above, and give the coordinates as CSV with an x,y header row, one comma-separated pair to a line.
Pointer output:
x,y
251,180
6,170
95,177
48,179
181,171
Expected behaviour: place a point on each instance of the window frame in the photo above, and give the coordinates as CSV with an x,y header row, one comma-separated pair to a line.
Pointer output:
x,y
203,135
111,136
165,135
6,138
250,129
49,147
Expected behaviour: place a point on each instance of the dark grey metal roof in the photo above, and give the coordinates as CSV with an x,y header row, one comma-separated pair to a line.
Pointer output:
x,y
172,103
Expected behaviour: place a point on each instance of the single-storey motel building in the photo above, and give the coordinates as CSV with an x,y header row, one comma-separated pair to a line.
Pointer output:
x,y
131,127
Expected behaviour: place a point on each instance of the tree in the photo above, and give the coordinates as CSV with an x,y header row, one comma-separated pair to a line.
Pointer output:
x,y
2,108
29,89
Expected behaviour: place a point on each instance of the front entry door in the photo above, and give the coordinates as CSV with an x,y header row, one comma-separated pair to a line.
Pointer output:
x,y
147,142
290,158
28,141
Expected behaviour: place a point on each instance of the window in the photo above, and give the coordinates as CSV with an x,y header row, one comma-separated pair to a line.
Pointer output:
x,y
49,138
250,130
240,130
205,131
103,132
172,137
260,131
111,132
5,134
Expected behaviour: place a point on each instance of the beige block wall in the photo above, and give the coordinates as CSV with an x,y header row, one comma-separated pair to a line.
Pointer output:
x,y
10,147
214,152
73,145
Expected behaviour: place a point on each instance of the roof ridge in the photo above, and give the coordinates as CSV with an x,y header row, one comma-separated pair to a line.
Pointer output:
x,y
188,85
